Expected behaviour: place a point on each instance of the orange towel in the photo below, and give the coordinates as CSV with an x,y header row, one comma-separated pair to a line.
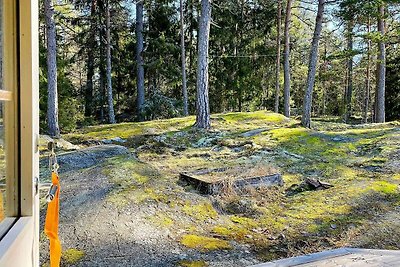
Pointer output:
x,y
51,225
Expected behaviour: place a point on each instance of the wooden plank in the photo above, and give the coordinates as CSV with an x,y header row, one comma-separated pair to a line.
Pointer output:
x,y
310,258
202,181
352,257
6,95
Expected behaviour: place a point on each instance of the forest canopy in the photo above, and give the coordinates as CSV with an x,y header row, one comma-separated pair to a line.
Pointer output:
x,y
119,60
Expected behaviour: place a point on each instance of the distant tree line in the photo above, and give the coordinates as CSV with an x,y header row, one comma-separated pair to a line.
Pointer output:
x,y
107,61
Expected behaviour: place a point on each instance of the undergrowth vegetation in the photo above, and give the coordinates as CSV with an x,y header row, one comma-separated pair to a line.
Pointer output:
x,y
361,162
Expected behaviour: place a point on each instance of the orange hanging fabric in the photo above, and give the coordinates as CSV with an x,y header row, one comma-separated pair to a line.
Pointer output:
x,y
52,218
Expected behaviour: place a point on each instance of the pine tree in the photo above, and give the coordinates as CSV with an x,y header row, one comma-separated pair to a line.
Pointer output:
x,y
139,58
110,99
183,57
202,104
312,67
286,63
52,101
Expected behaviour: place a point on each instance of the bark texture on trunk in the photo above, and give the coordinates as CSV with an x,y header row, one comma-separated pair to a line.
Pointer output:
x,y
349,88
183,57
52,101
90,62
381,69
286,62
312,67
139,58
368,75
278,55
110,100
202,104
102,67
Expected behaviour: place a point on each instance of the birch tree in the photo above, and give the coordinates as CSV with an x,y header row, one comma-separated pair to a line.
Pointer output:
x,y
52,100
202,104
312,67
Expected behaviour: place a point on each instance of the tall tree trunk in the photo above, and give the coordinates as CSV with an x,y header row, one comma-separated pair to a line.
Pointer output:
x,y
312,67
110,100
278,55
90,61
139,58
52,101
286,63
349,88
183,57
102,64
324,86
202,104
368,74
381,69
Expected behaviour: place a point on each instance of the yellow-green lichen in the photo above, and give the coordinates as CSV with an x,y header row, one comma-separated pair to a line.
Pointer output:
x,y
188,263
72,255
201,212
204,243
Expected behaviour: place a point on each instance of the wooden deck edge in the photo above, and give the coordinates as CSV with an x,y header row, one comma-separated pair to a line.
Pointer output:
x,y
309,258
323,255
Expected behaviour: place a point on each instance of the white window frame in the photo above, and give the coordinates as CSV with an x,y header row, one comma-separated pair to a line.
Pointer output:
x,y
20,245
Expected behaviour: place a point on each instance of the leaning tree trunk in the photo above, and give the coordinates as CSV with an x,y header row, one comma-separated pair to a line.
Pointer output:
x,y
202,104
368,79
52,101
139,58
312,67
349,88
381,69
183,57
286,60
90,61
278,55
110,100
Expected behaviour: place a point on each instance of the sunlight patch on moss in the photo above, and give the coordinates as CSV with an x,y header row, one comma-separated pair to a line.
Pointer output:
x,y
384,187
266,117
204,243
288,134
126,130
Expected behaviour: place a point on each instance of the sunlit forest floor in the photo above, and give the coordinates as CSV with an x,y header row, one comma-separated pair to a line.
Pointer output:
x,y
132,210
